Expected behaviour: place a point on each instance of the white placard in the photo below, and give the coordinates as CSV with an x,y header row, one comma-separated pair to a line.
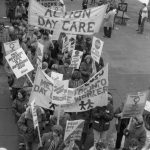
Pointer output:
x,y
19,62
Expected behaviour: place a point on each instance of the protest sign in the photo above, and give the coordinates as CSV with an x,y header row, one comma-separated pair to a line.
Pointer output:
x,y
96,50
53,4
74,130
56,76
39,51
65,47
11,46
35,120
147,106
135,104
42,90
72,42
34,114
91,94
19,62
60,92
85,22
76,59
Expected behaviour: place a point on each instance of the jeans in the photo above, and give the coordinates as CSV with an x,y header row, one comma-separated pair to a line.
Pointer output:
x,y
107,31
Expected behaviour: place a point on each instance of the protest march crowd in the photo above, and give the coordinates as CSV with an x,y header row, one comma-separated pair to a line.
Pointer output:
x,y
59,83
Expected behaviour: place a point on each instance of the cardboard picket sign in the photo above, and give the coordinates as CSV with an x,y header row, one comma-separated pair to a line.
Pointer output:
x,y
96,50
34,114
19,62
135,104
147,106
39,51
60,92
73,130
56,76
11,46
53,4
76,59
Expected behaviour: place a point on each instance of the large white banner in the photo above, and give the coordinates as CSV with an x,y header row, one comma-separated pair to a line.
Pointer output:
x,y
91,94
144,1
85,22
96,50
19,62
42,90
11,46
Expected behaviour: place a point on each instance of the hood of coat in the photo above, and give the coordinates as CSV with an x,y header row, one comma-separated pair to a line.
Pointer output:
x,y
88,59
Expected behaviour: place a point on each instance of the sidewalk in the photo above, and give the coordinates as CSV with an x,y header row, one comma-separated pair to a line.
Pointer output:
x,y
8,128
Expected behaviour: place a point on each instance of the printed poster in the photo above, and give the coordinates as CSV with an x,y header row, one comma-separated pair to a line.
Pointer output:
x,y
76,59
96,50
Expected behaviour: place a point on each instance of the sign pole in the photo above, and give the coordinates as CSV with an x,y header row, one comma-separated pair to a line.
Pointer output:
x,y
123,138
29,79
40,141
58,115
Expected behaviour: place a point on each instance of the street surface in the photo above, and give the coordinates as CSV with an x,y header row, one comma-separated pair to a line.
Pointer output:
x,y
127,53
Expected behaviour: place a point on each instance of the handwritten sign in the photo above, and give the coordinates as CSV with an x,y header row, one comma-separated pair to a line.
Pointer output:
x,y
42,90
11,46
60,92
135,104
56,76
74,130
19,63
85,22
34,114
91,94
39,54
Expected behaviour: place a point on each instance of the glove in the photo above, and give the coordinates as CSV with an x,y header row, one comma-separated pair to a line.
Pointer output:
x,y
126,132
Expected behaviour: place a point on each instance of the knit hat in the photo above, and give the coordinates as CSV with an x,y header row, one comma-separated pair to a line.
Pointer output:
x,y
44,65
58,129
88,56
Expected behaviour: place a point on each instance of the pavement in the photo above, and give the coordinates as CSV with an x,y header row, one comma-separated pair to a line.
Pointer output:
x,y
8,128
128,56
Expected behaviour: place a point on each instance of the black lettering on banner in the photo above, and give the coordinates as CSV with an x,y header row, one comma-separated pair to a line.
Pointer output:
x,y
41,21
65,25
82,26
77,14
91,26
73,27
39,89
87,12
48,13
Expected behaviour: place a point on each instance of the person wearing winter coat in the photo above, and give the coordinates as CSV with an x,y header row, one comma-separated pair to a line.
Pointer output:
x,y
76,79
86,68
135,131
53,140
109,22
20,104
101,117
26,127
64,117
65,70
